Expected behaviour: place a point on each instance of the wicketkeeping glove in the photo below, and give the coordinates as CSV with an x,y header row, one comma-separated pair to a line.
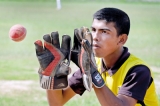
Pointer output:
x,y
77,56
86,58
54,60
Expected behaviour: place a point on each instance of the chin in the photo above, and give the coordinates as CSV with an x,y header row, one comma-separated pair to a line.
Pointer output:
x,y
96,54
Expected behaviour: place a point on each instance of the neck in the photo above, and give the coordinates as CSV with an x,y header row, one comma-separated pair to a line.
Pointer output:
x,y
111,59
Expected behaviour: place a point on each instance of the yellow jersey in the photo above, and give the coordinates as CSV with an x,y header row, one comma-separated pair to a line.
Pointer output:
x,y
115,81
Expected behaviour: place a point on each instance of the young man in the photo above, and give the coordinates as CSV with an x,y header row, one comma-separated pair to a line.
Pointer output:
x,y
128,80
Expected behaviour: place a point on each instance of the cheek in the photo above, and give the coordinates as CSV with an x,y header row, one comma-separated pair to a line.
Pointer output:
x,y
109,45
107,42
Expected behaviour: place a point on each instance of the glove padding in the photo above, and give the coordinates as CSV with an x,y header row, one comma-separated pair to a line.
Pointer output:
x,y
78,55
54,69
85,38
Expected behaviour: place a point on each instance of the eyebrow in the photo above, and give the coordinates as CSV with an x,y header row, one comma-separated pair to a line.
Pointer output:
x,y
103,29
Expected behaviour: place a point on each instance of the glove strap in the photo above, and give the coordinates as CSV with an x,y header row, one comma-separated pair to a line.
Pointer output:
x,y
97,80
96,76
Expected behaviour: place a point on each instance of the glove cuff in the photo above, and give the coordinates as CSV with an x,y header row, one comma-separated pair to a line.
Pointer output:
x,y
47,82
97,80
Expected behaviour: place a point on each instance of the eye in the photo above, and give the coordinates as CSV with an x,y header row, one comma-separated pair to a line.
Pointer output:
x,y
104,31
93,29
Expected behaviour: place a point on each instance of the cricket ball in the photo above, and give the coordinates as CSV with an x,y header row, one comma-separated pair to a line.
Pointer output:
x,y
17,32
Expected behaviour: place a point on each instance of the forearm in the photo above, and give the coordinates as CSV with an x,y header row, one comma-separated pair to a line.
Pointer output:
x,y
59,97
107,98
55,97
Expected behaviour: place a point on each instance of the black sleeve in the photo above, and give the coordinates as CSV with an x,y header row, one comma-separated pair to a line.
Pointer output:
x,y
76,82
136,82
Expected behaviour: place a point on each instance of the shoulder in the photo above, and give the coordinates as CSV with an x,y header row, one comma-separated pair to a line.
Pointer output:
x,y
138,74
136,82
140,71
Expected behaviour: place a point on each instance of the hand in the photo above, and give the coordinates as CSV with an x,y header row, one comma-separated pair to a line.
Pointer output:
x,y
87,60
77,56
54,69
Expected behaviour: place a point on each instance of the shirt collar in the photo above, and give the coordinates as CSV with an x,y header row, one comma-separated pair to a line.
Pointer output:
x,y
124,56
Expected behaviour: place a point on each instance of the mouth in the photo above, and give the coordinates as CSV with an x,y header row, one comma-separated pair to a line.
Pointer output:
x,y
95,46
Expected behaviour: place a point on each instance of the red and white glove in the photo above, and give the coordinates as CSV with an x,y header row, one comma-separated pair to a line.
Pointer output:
x,y
54,60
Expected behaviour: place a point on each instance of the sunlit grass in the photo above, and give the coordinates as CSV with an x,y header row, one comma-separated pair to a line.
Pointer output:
x,y
18,60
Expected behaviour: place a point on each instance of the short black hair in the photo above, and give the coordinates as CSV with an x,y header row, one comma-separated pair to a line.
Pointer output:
x,y
117,16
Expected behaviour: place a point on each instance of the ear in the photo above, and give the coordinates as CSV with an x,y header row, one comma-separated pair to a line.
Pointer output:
x,y
122,39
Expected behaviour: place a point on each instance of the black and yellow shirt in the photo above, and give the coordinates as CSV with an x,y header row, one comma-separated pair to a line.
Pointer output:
x,y
132,77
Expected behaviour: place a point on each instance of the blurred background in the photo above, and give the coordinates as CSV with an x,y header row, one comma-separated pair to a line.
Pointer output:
x,y
19,82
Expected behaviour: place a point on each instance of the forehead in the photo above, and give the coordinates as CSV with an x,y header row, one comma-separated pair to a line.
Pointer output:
x,y
102,24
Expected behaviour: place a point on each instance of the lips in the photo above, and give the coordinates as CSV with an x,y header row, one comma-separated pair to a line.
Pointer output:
x,y
96,46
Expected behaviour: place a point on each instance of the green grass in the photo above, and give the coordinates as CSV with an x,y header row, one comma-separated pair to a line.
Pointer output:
x,y
18,60
26,96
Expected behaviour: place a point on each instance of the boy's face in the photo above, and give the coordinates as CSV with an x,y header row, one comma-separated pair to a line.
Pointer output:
x,y
105,39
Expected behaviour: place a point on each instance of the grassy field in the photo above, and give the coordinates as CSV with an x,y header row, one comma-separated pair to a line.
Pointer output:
x,y
18,63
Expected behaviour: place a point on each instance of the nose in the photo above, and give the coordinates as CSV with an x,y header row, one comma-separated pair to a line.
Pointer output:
x,y
95,36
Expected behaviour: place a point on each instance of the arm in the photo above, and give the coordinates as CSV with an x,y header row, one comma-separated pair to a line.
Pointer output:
x,y
107,98
59,97
132,91
54,67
